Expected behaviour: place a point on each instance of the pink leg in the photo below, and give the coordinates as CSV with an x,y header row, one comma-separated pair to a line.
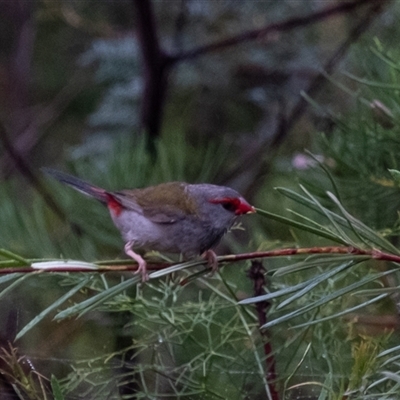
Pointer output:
x,y
141,263
212,261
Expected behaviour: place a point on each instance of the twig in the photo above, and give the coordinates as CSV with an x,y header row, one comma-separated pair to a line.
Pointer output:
x,y
316,84
18,64
257,274
232,258
347,250
285,125
26,171
19,374
42,118
119,268
157,62
289,24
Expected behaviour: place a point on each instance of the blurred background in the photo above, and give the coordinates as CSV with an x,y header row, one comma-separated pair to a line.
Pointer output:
x,y
131,93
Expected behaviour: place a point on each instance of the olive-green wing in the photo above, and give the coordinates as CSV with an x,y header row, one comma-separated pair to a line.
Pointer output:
x,y
164,204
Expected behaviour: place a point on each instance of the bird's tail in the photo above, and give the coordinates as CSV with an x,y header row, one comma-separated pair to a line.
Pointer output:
x,y
79,185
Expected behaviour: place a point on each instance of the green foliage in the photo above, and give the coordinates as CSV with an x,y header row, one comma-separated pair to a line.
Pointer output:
x,y
187,338
203,339
364,146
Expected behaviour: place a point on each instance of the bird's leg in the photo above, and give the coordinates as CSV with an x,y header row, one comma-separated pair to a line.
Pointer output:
x,y
212,261
142,269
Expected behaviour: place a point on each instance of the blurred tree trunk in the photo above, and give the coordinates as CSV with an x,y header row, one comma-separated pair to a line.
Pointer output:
x,y
156,63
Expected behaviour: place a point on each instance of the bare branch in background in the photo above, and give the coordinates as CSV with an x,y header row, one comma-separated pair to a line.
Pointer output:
x,y
286,25
157,63
43,117
26,171
284,125
19,34
25,123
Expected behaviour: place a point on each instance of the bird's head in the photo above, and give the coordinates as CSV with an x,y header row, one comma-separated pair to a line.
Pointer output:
x,y
219,205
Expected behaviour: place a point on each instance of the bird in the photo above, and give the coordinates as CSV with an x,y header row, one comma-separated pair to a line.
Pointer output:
x,y
172,217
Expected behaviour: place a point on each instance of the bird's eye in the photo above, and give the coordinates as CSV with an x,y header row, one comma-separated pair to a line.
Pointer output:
x,y
229,206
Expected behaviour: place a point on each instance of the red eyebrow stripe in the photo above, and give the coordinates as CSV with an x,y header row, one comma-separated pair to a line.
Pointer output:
x,y
226,200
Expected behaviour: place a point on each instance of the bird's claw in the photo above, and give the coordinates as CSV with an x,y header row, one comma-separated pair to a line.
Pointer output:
x,y
142,266
212,261
142,269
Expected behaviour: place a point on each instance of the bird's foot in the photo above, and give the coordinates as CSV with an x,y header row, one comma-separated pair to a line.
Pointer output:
x,y
142,269
142,265
212,261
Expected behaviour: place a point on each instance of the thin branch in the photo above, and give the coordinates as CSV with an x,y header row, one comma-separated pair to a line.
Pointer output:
x,y
257,274
317,83
44,117
157,62
284,126
19,374
289,24
18,17
129,265
26,171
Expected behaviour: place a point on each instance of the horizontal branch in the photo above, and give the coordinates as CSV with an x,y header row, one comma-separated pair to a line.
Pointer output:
x,y
342,250
130,265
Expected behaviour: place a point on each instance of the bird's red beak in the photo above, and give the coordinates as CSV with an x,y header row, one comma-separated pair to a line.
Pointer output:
x,y
244,208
